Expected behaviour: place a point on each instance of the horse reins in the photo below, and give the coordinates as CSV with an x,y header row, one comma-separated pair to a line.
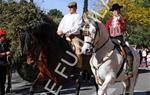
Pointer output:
x,y
102,45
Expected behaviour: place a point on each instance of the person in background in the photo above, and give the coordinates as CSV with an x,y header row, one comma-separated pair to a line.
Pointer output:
x,y
70,28
4,52
148,58
144,56
140,53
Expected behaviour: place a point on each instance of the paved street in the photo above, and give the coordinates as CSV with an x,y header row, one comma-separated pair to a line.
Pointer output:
x,y
21,87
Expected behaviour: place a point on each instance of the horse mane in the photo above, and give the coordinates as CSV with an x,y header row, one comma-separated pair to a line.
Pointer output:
x,y
97,23
42,40
44,36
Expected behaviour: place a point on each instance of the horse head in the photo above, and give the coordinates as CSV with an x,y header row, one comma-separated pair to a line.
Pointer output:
x,y
89,29
94,33
36,38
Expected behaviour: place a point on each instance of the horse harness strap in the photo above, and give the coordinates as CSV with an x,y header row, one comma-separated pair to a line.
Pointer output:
x,y
121,50
102,45
104,59
98,79
124,55
120,70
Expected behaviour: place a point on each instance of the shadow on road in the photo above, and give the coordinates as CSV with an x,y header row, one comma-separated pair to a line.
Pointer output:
x,y
144,71
142,93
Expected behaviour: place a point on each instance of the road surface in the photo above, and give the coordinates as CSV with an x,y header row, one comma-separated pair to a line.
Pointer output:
x,y
21,87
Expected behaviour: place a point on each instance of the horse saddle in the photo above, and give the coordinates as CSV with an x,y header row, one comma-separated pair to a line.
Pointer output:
x,y
121,50
123,53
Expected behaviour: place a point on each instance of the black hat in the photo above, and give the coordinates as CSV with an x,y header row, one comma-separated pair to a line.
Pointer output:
x,y
116,6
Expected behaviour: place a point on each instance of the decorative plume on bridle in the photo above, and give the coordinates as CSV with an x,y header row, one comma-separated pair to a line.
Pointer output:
x,y
89,14
85,8
93,14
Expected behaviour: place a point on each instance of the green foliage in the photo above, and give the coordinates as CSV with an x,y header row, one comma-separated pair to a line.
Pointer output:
x,y
56,15
16,17
137,13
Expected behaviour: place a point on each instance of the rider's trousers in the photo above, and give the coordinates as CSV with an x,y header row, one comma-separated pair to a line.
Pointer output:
x,y
77,46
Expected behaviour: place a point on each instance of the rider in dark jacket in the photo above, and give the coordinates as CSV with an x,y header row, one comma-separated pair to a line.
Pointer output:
x,y
4,52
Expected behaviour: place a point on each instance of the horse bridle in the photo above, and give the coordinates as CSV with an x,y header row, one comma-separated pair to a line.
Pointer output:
x,y
92,43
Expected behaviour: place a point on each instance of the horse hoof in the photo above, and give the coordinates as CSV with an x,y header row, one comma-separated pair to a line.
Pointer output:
x,y
8,90
31,93
77,94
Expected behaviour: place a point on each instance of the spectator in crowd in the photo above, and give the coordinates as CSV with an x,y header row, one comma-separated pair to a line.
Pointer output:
x,y
144,56
4,52
140,53
148,58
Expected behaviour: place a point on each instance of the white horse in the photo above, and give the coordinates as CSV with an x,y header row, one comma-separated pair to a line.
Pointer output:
x,y
106,61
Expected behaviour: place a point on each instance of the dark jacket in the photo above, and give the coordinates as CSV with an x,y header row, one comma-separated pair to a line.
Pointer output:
x,y
4,47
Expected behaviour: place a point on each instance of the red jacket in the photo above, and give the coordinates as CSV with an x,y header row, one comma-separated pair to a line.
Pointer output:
x,y
118,30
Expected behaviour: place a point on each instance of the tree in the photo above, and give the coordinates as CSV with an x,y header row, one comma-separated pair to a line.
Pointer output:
x,y
56,15
16,18
137,14
138,22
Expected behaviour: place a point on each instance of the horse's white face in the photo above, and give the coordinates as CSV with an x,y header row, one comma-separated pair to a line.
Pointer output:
x,y
90,31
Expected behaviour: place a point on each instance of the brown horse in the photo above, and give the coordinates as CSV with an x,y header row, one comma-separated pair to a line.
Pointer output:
x,y
45,48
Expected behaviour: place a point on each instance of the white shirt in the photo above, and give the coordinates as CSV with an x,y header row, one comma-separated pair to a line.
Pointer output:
x,y
144,53
115,21
114,28
70,24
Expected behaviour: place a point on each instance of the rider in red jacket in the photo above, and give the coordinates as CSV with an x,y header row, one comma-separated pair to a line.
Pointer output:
x,y
116,27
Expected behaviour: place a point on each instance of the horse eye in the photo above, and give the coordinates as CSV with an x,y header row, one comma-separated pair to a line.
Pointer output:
x,y
31,42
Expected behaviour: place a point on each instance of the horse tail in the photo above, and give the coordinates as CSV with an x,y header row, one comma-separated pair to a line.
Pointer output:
x,y
136,62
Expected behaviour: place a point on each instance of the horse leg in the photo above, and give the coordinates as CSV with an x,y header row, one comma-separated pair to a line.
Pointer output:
x,y
39,77
86,76
102,89
96,87
132,83
78,85
9,68
125,84
129,83
8,89
78,81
